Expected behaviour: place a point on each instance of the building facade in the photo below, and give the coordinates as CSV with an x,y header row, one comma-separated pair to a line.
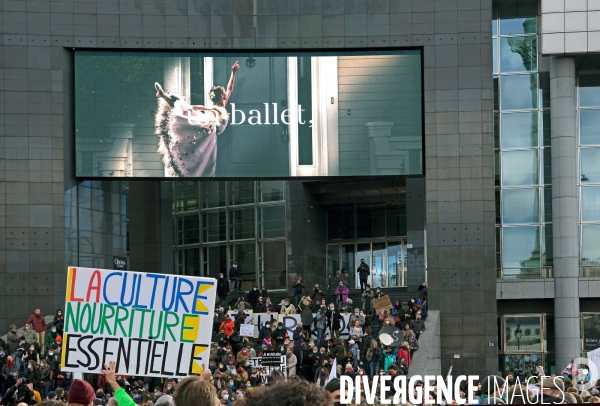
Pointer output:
x,y
504,224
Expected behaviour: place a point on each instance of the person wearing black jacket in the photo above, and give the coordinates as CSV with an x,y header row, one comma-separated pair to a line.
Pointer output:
x,y
222,288
279,335
234,276
253,296
363,271
334,319
23,395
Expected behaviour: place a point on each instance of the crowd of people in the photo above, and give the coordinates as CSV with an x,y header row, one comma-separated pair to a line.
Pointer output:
x,y
319,350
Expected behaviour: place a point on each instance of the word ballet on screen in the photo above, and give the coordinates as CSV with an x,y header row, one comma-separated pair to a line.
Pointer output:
x,y
269,115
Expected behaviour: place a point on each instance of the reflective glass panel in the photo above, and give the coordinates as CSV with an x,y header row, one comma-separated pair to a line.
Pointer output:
x,y
590,249
272,190
272,221
495,55
523,333
245,256
240,192
215,260
340,222
188,229
544,90
186,196
214,226
518,54
370,222
241,223
519,363
547,206
273,264
589,90
378,271
519,130
189,261
520,206
589,127
348,262
213,194
547,249
520,248
590,169
518,92
517,17
546,166
333,259
396,269
396,220
590,204
546,128
519,168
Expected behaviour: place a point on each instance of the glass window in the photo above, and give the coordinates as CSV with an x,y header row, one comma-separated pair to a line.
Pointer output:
x,y
333,259
188,230
518,54
519,130
547,249
590,249
272,221
213,194
189,261
241,223
495,55
272,190
589,90
523,333
494,17
546,128
348,261
545,90
547,206
519,92
273,264
245,256
186,196
240,192
519,363
519,168
215,260
340,223
396,221
496,130
591,331
589,127
496,95
214,226
590,170
520,249
517,17
546,166
370,222
396,264
590,204
520,206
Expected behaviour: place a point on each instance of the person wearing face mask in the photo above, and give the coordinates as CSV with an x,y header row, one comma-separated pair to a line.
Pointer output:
x,y
287,307
59,321
222,288
291,362
51,338
367,297
363,272
417,326
334,321
378,293
30,336
260,306
13,339
234,276
253,296
53,361
356,317
279,335
225,399
341,295
320,323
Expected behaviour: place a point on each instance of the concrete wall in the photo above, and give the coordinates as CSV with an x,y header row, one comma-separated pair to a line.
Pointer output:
x,y
570,26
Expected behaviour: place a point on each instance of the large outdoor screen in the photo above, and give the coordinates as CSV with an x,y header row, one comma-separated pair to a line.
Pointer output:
x,y
202,115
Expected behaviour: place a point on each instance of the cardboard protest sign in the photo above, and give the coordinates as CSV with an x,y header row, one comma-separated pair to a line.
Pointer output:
x,y
246,330
382,303
150,324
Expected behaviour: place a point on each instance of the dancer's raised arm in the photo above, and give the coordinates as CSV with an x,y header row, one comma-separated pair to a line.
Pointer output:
x,y
234,69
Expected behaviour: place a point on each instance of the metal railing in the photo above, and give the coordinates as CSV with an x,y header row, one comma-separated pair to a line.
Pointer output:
x,y
589,271
525,273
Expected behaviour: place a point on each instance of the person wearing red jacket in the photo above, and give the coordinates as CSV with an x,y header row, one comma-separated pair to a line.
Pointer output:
x,y
404,352
228,325
38,323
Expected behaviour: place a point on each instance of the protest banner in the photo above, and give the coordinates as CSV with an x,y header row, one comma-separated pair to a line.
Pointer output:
x,y
271,358
257,364
382,303
247,330
149,324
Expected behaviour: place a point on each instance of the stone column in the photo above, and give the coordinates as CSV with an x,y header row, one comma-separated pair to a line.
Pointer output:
x,y
563,112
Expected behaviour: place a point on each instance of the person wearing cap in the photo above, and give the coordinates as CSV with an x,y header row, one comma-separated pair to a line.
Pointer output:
x,y
552,390
334,389
82,393
51,396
